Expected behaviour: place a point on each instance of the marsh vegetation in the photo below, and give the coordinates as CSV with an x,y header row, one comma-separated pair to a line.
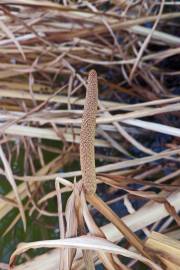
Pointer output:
x,y
89,121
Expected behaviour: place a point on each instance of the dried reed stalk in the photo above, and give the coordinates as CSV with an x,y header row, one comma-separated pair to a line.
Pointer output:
x,y
166,249
87,159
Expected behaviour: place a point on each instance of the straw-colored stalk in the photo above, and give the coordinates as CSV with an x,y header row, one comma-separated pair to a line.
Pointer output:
x,y
87,160
166,248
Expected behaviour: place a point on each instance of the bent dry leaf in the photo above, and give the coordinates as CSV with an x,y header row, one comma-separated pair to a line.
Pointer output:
x,y
83,242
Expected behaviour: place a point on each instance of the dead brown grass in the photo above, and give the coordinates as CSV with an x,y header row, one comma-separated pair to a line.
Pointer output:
x,y
46,51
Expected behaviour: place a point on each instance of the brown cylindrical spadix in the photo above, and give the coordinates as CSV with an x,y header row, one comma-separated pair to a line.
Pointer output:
x,y
87,136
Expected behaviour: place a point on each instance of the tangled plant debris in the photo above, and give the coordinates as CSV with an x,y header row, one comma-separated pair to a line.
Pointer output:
x,y
47,49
